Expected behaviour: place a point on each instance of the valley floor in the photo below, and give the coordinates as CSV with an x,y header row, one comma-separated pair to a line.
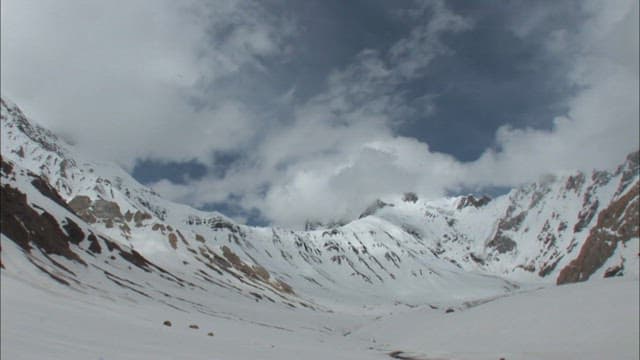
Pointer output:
x,y
594,320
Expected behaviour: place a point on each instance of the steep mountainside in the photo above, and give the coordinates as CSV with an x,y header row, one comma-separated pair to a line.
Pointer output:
x,y
78,221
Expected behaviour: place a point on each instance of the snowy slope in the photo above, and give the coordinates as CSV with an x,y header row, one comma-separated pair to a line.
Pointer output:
x,y
530,234
596,320
86,232
367,261
535,231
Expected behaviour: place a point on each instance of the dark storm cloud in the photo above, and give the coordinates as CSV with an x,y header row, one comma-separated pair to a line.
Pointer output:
x,y
495,75
287,110
149,171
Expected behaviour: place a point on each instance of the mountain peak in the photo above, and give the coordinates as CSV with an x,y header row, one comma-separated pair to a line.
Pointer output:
x,y
530,234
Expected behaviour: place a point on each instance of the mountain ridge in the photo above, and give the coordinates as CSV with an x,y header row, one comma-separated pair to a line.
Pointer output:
x,y
409,250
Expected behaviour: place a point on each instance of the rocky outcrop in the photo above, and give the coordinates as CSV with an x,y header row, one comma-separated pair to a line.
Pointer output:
x,y
92,211
410,197
471,200
502,241
107,212
255,272
375,206
616,224
29,228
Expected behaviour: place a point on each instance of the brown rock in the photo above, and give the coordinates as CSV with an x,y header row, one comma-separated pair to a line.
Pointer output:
x,y
617,223
107,209
26,227
173,240
140,216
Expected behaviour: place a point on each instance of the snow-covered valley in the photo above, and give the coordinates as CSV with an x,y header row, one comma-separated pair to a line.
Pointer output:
x,y
594,320
93,263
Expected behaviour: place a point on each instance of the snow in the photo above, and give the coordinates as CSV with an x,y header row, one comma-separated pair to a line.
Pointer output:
x,y
43,323
387,277
453,234
595,320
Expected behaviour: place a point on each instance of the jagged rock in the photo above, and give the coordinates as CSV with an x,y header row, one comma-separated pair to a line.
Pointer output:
x,y
107,210
26,227
5,167
140,216
92,211
371,209
410,197
502,244
617,223
574,183
471,200
616,270
312,225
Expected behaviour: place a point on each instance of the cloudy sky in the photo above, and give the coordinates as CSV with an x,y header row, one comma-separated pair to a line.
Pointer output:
x,y
280,111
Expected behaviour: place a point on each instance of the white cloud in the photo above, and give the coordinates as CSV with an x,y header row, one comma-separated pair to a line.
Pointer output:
x,y
140,82
602,124
341,152
122,78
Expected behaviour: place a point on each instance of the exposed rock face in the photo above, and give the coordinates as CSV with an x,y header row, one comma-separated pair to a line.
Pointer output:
x,y
140,216
173,240
410,197
471,200
45,189
100,209
589,210
616,270
40,135
81,205
215,223
501,241
107,210
255,272
371,209
5,167
629,171
619,222
27,228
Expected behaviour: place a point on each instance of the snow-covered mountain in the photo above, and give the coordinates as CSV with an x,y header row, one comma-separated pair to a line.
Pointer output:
x,y
90,227
541,231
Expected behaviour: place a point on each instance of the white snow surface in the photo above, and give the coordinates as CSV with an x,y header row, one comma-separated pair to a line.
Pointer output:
x,y
594,320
